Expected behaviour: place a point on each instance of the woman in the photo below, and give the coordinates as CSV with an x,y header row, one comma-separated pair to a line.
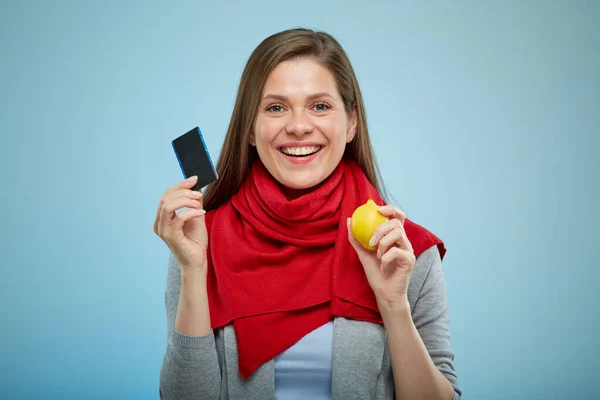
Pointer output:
x,y
268,293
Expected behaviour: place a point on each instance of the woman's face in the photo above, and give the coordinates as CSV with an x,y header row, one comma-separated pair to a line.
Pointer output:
x,y
302,127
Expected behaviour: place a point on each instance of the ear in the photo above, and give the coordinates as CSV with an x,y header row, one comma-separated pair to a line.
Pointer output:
x,y
352,123
251,141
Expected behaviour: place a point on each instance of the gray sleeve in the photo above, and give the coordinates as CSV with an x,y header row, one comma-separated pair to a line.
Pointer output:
x,y
430,315
190,368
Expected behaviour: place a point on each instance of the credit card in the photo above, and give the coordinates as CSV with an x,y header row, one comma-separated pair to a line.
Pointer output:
x,y
194,158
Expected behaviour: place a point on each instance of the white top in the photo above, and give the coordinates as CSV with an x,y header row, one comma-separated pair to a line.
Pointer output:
x,y
304,370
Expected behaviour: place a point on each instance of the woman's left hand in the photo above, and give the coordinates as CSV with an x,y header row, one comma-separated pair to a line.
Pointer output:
x,y
388,269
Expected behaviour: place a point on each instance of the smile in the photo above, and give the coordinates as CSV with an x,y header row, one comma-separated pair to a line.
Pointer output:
x,y
300,151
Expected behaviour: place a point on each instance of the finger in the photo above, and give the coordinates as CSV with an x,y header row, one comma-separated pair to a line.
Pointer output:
x,y
171,194
396,237
175,196
184,216
384,229
182,193
184,184
396,256
155,225
168,210
393,238
391,211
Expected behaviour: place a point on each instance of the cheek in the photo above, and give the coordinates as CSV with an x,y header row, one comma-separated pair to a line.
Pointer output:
x,y
334,130
265,131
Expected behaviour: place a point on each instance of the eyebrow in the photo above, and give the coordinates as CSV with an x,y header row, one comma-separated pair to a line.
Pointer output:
x,y
308,98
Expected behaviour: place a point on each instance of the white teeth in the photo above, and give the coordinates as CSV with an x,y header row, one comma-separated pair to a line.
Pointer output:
x,y
300,151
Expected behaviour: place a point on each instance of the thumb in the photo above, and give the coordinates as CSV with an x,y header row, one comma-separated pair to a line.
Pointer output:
x,y
367,258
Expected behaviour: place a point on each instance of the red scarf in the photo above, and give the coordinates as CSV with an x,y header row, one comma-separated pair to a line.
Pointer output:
x,y
278,268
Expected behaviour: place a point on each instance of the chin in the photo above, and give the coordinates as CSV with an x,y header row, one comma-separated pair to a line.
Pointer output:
x,y
300,181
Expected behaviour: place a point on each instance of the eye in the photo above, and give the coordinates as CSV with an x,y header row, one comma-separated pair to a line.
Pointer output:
x,y
322,107
276,108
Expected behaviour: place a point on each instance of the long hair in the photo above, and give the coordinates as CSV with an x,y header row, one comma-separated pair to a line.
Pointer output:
x,y
237,155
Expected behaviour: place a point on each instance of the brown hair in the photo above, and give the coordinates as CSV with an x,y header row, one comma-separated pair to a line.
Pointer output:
x,y
237,155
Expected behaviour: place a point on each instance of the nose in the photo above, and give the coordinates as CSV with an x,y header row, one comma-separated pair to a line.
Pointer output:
x,y
299,124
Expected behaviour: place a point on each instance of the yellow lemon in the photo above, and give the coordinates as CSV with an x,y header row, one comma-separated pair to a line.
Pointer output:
x,y
365,220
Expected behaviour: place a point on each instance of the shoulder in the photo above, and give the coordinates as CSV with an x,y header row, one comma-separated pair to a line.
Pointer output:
x,y
422,239
210,215
428,261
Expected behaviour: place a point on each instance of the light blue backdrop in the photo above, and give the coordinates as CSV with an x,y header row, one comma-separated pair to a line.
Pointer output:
x,y
485,117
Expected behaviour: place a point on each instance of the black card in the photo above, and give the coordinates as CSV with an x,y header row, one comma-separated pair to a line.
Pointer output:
x,y
194,158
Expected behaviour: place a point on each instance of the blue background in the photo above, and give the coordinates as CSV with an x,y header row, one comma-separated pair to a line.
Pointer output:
x,y
485,117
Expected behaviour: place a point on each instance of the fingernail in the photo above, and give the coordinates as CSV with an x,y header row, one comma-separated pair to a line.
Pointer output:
x,y
192,178
372,242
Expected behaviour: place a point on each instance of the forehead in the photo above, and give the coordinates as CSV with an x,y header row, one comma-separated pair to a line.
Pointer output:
x,y
300,77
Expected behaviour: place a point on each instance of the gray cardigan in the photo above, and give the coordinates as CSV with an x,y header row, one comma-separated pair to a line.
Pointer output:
x,y
206,367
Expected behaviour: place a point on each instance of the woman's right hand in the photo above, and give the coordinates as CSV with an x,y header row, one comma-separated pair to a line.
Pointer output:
x,y
184,232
